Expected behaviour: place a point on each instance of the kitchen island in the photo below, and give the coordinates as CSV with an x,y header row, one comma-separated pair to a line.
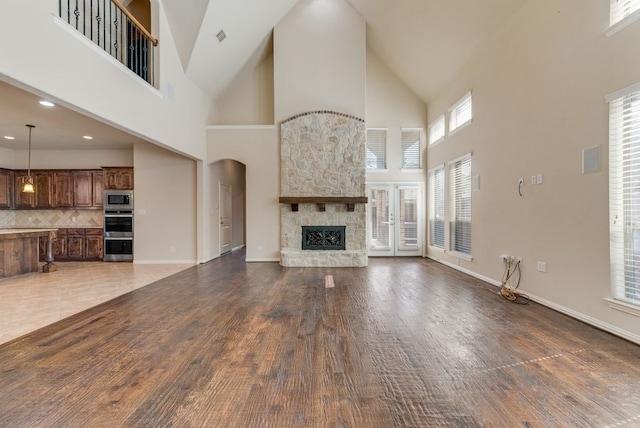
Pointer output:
x,y
19,250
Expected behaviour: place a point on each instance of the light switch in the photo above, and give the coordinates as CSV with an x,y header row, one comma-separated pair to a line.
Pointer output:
x,y
539,179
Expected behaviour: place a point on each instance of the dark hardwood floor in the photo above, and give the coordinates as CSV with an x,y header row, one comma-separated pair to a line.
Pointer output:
x,y
402,343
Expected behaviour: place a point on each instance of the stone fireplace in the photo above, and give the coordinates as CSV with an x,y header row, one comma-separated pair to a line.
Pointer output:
x,y
322,183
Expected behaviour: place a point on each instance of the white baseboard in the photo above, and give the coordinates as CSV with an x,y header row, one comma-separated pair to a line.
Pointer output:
x,y
556,307
237,248
207,260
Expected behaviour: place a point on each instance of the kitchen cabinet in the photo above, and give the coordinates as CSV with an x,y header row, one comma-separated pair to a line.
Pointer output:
x,y
22,200
98,189
83,189
118,178
43,186
6,189
62,189
93,244
75,244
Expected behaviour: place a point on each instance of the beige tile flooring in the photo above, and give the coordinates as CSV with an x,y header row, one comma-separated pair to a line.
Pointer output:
x,y
29,302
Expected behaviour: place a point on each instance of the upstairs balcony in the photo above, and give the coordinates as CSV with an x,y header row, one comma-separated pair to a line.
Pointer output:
x,y
116,30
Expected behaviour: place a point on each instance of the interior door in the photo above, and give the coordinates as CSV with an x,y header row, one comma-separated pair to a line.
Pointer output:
x,y
225,204
394,219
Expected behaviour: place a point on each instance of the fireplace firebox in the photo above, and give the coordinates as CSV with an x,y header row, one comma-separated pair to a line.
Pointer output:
x,y
323,237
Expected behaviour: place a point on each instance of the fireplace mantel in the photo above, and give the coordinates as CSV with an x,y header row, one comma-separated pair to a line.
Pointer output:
x,y
350,201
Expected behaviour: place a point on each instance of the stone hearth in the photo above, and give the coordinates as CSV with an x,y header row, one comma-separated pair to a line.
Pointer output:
x,y
323,155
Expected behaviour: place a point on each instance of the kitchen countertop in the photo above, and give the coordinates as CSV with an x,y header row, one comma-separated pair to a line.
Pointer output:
x,y
24,233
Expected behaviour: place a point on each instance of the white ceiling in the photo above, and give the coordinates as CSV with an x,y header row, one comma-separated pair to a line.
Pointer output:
x,y
424,42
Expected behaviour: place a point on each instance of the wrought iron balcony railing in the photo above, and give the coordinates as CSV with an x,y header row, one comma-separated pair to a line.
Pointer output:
x,y
112,27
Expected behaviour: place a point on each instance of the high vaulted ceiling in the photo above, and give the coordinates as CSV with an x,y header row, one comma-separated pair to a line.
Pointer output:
x,y
424,42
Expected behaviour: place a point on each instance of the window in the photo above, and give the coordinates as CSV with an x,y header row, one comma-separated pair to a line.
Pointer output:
x,y
436,130
436,207
411,153
624,194
460,113
376,148
620,9
460,212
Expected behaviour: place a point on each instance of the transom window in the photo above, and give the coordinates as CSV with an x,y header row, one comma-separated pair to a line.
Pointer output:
x,y
411,148
376,148
461,112
436,130
620,9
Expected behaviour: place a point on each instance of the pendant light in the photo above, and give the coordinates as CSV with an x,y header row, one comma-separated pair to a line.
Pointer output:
x,y
28,183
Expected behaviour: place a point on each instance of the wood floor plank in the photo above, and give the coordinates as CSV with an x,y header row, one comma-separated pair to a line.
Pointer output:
x,y
402,343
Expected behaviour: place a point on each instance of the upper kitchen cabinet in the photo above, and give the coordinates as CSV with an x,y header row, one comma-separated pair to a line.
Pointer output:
x,y
6,189
62,189
118,178
23,200
88,189
43,185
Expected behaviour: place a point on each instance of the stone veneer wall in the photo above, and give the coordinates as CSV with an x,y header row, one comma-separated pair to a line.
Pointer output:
x,y
323,154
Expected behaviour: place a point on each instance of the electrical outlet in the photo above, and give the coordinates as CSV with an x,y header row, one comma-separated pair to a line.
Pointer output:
x,y
533,179
539,179
542,267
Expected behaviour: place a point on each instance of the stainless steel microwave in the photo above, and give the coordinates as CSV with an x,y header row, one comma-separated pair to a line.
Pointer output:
x,y
118,200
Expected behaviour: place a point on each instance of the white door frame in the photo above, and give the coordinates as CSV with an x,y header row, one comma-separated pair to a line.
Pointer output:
x,y
395,249
225,204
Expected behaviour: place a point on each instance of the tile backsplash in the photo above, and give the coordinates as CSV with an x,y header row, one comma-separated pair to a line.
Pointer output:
x,y
51,218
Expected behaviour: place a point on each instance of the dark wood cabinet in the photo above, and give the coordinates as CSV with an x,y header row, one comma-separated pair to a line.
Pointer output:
x,y
98,189
62,189
83,189
93,244
118,178
42,184
22,200
6,189
75,244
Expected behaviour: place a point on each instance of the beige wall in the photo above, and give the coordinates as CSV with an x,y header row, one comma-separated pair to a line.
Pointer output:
x,y
248,100
258,149
538,100
71,159
392,105
320,60
165,228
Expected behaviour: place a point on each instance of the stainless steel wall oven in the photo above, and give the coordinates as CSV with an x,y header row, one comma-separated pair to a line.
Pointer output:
x,y
118,226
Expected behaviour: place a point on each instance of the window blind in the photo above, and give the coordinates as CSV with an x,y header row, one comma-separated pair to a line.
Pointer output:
x,y
460,210
376,148
624,196
461,112
620,9
411,152
436,207
436,130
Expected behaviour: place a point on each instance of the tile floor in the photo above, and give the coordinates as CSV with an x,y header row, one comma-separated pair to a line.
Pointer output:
x,y
29,302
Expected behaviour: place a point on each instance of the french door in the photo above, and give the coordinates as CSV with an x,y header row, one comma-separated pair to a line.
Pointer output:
x,y
394,219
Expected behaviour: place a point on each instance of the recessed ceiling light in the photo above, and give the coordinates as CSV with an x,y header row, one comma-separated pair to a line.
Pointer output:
x,y
87,137
47,103
9,137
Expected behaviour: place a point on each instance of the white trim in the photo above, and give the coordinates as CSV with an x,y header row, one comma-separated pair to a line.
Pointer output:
x,y
240,127
237,248
409,170
623,23
619,305
165,262
438,141
89,43
458,159
436,249
464,125
467,271
208,259
459,255
585,318
559,308
622,92
262,260
441,165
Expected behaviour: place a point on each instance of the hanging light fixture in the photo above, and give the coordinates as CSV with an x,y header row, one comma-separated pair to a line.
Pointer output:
x,y
28,183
